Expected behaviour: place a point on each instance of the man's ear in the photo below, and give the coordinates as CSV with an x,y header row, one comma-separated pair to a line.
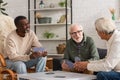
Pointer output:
x,y
103,33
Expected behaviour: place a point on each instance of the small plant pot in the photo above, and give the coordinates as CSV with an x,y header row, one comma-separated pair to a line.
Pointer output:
x,y
48,35
62,4
60,48
44,20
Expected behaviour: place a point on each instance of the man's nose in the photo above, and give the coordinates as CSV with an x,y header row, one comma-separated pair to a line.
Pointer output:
x,y
77,34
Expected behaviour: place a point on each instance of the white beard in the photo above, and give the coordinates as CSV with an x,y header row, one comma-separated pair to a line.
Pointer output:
x,y
78,40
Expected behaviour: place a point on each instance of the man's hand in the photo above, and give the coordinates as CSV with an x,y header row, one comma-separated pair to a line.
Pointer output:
x,y
44,53
80,66
65,66
38,54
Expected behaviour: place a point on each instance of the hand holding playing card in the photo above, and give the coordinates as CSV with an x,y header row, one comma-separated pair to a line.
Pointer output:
x,y
81,66
37,49
77,59
38,52
69,63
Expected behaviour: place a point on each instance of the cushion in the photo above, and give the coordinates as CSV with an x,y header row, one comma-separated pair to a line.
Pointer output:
x,y
102,52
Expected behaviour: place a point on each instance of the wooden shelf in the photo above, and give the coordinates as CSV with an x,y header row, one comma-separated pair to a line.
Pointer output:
x,y
59,29
49,9
52,40
50,24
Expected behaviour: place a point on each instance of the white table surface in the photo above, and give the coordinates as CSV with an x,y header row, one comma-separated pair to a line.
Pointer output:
x,y
58,75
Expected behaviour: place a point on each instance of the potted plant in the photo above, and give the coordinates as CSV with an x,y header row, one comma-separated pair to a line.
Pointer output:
x,y
62,3
112,11
48,35
43,19
2,9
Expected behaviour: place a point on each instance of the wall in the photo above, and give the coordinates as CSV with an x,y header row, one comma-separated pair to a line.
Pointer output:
x,y
85,12
17,7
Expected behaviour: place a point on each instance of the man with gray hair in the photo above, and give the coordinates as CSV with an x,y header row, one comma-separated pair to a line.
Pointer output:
x,y
78,48
110,65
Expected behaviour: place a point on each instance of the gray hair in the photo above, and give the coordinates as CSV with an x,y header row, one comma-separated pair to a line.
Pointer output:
x,y
75,25
105,25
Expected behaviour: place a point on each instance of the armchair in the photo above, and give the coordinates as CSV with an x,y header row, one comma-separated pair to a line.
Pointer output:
x,y
6,26
3,70
11,75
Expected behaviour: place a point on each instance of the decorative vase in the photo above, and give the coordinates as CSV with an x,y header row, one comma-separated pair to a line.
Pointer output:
x,y
113,17
41,4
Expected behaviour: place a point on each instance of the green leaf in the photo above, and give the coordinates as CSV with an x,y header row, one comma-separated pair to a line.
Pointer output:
x,y
4,13
48,35
4,4
3,9
1,1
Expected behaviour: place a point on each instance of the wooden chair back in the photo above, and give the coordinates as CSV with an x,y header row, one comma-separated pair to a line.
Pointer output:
x,y
12,75
3,70
2,61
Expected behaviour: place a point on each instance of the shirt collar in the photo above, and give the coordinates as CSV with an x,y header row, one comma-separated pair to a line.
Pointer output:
x,y
112,37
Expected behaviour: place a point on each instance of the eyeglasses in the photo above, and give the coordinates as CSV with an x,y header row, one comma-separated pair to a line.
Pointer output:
x,y
77,32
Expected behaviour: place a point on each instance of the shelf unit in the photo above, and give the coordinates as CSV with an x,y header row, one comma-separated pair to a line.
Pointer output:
x,y
60,29
49,9
51,24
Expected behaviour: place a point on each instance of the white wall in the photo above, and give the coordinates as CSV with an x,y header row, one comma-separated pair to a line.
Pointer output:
x,y
85,12
17,7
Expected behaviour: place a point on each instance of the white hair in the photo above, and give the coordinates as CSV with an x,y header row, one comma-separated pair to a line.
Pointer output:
x,y
75,25
105,25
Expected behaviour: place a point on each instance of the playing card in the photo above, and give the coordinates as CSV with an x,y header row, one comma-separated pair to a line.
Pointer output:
x,y
69,63
36,49
77,59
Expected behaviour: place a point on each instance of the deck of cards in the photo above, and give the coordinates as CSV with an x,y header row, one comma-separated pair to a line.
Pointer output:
x,y
37,49
71,64
77,59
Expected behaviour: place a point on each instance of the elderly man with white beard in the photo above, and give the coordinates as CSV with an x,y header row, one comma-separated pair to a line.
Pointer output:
x,y
78,48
